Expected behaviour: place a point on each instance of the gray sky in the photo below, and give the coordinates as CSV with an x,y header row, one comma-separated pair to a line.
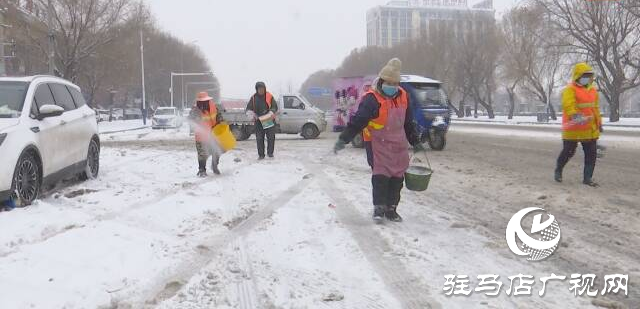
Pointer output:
x,y
278,41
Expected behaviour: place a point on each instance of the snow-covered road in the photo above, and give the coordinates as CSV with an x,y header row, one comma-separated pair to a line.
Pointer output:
x,y
294,232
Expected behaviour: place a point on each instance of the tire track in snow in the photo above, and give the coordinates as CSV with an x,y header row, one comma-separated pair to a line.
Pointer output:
x,y
161,195
246,288
407,288
189,268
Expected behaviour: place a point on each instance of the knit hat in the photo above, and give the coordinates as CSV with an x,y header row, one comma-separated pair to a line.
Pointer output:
x,y
391,72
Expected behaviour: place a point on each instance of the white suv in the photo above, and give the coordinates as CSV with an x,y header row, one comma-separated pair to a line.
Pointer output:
x,y
166,117
47,134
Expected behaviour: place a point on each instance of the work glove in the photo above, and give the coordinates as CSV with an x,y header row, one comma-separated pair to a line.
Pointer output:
x,y
340,145
418,148
601,129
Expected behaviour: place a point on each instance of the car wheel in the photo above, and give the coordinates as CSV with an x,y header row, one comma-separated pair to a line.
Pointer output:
x,y
310,131
438,140
239,133
26,180
93,162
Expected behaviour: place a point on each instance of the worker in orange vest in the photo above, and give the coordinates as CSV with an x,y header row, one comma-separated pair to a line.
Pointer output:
x,y
205,117
581,122
385,115
262,106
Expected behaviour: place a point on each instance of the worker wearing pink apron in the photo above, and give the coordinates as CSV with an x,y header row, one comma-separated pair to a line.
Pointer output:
x,y
386,120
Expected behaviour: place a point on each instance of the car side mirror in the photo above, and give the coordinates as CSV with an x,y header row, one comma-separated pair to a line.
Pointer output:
x,y
302,106
50,110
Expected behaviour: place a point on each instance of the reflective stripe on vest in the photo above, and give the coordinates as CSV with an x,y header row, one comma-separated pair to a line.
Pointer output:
x,y
586,105
400,101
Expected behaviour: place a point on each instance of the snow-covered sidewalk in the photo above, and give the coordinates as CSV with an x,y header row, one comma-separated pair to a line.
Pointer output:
x,y
532,120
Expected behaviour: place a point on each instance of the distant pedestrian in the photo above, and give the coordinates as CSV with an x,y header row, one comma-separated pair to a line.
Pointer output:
x,y
581,122
387,121
263,109
204,116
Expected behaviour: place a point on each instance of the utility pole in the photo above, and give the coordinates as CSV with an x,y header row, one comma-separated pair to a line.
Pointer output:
x,y
52,54
174,74
144,98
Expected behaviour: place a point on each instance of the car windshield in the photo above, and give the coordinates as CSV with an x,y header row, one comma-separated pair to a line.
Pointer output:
x,y
165,112
430,95
12,98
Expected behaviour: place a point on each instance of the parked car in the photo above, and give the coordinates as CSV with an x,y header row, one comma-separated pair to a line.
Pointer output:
x,y
296,115
116,114
102,115
132,114
166,118
47,134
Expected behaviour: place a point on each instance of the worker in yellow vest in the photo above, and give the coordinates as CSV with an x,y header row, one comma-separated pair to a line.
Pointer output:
x,y
581,122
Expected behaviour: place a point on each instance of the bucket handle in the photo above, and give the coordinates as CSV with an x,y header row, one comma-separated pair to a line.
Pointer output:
x,y
425,156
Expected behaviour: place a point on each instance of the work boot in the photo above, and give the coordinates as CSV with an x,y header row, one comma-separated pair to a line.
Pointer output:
x,y
588,176
558,175
392,215
202,168
214,166
271,156
378,213
261,158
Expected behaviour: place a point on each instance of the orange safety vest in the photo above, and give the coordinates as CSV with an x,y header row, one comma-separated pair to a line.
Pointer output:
x,y
587,106
402,100
268,98
208,120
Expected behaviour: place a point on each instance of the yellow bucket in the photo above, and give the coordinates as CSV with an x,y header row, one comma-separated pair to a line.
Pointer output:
x,y
223,135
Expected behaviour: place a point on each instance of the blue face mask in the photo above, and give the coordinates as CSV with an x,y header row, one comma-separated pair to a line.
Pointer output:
x,y
389,90
584,81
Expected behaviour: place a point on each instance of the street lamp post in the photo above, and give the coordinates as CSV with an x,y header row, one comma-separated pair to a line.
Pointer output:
x,y
196,84
144,96
182,91
174,74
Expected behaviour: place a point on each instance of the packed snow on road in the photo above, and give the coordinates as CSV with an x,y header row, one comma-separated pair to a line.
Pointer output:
x,y
296,231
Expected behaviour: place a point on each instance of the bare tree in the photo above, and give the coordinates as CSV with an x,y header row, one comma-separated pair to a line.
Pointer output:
x,y
607,33
478,61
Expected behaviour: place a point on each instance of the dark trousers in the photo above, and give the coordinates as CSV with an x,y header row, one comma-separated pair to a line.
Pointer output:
x,y
386,190
369,149
205,151
590,149
271,139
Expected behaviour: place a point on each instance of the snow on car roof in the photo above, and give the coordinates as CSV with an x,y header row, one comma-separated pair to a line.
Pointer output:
x,y
418,79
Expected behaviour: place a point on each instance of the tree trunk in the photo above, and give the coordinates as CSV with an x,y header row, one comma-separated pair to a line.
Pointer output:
x,y
453,108
552,112
461,110
512,101
475,109
614,108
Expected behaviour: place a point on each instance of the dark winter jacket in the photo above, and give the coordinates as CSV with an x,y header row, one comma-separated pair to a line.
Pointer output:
x,y
258,105
367,111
